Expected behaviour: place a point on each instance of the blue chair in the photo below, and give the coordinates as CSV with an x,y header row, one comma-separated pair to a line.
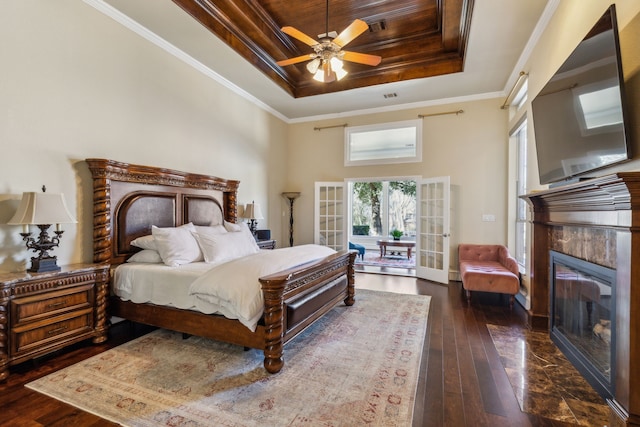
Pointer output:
x,y
359,248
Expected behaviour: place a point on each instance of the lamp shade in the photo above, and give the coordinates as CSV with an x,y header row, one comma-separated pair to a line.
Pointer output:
x,y
252,211
42,208
313,66
291,194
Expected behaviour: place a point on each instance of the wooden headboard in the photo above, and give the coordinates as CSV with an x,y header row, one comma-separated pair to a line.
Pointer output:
x,y
129,199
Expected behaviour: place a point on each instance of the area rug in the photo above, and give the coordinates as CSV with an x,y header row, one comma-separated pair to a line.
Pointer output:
x,y
357,365
544,382
373,258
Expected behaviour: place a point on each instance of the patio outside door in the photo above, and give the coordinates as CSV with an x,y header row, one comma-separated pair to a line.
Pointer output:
x,y
432,242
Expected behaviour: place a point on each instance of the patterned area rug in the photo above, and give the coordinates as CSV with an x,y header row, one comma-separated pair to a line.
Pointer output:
x,y
544,381
358,365
395,261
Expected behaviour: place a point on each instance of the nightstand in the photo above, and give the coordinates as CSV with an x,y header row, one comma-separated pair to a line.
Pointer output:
x,y
44,312
266,244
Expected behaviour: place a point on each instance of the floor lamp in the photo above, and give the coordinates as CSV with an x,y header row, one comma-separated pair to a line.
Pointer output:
x,y
291,196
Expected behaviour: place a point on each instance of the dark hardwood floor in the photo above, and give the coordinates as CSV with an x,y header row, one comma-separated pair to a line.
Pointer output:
x,y
462,380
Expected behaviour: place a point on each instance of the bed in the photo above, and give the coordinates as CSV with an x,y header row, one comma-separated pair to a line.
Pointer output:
x,y
128,199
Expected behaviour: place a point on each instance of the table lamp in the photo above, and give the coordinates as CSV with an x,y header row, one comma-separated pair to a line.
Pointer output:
x,y
42,210
253,213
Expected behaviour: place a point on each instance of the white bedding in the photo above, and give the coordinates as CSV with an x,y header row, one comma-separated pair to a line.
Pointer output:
x,y
160,284
230,288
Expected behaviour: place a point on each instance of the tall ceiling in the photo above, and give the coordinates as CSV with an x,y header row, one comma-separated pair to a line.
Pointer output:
x,y
432,50
415,38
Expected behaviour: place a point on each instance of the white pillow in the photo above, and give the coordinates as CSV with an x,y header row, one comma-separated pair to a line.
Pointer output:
x,y
149,242
145,242
177,245
220,247
211,229
231,227
146,255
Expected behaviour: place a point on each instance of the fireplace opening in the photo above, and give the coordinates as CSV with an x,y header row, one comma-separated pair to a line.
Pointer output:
x,y
583,318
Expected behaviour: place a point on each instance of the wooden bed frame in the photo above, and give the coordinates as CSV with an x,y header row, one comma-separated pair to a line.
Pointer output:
x,y
128,199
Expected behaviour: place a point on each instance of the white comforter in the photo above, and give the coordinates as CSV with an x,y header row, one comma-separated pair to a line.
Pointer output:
x,y
234,285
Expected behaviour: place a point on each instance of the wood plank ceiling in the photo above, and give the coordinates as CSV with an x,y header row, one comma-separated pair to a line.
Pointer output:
x,y
415,38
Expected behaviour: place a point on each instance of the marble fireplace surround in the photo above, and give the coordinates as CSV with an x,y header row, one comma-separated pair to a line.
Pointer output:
x,y
596,220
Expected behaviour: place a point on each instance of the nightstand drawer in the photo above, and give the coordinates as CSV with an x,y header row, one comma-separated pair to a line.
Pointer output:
x,y
39,335
33,308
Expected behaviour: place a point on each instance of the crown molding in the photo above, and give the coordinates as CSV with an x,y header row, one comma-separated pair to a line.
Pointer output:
x,y
152,37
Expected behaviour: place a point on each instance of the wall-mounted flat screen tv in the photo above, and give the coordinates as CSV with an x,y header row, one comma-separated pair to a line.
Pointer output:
x,y
579,115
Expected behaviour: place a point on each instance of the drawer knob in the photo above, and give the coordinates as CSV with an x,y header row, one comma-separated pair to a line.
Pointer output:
x,y
59,283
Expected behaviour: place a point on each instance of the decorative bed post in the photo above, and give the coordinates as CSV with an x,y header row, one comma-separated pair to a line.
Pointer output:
x,y
273,323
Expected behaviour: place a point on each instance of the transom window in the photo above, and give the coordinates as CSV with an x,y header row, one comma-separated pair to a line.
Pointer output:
x,y
397,142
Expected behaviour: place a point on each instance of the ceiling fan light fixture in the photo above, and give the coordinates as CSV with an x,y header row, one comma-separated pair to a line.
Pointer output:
x,y
319,76
326,63
336,63
313,66
340,73
326,74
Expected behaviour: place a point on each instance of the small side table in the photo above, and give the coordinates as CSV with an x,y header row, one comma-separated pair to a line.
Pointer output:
x,y
266,244
44,312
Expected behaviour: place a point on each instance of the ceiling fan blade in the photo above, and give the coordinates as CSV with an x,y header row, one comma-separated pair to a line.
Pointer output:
x,y
299,35
361,58
296,59
356,28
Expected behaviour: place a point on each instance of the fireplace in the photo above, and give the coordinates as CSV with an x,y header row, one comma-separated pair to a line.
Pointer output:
x,y
583,317
596,222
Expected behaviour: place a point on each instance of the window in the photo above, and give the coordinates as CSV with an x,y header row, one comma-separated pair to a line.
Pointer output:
x,y
521,96
519,137
398,142
378,207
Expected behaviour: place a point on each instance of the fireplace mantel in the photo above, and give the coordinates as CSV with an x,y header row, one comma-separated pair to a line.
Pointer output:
x,y
597,220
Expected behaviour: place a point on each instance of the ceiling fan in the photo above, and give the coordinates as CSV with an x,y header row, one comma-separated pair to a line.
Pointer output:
x,y
326,61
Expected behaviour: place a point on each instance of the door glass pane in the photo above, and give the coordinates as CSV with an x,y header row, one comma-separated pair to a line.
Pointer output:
x,y
330,215
432,224
439,264
402,208
367,209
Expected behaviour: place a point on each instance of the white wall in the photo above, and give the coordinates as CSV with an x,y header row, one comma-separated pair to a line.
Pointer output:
x,y
569,24
470,147
75,84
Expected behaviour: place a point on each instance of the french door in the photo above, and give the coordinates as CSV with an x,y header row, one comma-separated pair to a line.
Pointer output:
x,y
432,242
432,228
330,224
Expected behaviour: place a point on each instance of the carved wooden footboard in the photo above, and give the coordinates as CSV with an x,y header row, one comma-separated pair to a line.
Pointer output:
x,y
295,298
128,199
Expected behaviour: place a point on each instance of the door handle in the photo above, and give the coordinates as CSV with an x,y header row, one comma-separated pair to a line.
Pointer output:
x,y
446,235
